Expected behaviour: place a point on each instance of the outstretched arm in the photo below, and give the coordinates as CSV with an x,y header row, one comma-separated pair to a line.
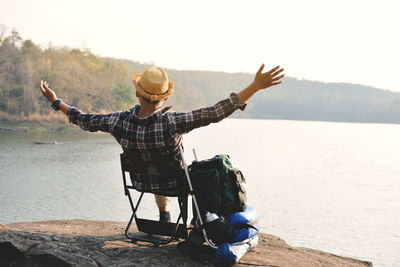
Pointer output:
x,y
184,122
86,121
261,81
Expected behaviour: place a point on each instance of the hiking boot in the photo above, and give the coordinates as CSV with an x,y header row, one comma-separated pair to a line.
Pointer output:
x,y
165,216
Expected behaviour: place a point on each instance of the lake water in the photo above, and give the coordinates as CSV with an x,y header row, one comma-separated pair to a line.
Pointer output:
x,y
323,185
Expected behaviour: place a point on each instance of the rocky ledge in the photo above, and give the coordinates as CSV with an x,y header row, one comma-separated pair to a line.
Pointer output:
x,y
102,243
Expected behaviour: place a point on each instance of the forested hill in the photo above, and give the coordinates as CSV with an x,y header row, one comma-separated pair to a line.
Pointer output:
x,y
99,84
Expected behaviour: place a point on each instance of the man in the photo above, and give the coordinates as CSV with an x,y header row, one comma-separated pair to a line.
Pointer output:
x,y
150,128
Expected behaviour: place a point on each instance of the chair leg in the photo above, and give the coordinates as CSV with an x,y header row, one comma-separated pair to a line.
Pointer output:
x,y
134,209
127,228
183,206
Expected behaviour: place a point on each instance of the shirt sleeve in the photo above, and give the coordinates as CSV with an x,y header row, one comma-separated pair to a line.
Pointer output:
x,y
184,122
92,122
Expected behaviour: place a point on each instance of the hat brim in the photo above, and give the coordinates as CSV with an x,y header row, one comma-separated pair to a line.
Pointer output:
x,y
171,87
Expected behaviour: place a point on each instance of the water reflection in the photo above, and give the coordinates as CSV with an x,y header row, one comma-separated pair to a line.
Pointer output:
x,y
330,186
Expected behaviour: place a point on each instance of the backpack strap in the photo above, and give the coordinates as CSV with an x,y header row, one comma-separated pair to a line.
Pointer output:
x,y
245,225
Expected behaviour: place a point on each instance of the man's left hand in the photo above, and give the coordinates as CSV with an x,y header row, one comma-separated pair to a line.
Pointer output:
x,y
47,92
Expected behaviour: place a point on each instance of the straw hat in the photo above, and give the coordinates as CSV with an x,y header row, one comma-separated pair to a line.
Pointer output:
x,y
153,84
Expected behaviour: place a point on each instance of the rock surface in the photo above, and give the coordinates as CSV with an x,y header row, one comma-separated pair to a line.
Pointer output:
x,y
100,243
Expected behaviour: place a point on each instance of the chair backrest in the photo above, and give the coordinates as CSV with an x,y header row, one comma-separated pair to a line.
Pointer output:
x,y
169,165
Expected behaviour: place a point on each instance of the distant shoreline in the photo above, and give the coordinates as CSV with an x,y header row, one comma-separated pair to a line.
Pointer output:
x,y
38,127
106,86
64,127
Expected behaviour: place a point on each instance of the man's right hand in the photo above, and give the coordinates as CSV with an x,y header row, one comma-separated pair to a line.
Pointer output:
x,y
269,78
261,81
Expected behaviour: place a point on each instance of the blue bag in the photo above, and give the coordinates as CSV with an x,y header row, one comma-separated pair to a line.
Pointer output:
x,y
245,233
230,254
248,216
243,223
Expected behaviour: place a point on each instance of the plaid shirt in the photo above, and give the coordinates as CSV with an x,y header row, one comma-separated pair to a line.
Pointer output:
x,y
158,134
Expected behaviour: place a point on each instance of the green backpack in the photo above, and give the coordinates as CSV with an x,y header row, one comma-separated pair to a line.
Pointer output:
x,y
219,188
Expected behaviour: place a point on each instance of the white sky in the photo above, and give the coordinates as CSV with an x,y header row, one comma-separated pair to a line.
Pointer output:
x,y
341,41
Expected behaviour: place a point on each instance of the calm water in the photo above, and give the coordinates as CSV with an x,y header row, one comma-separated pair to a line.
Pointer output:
x,y
323,185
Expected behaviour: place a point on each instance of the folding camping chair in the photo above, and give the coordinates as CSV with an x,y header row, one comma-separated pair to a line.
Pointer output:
x,y
164,168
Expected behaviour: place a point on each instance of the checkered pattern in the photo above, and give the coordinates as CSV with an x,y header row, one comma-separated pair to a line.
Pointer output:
x,y
157,134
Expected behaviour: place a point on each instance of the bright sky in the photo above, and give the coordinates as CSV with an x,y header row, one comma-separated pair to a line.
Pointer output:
x,y
341,41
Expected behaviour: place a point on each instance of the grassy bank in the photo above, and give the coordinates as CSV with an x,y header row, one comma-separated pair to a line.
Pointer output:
x,y
51,122
37,126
